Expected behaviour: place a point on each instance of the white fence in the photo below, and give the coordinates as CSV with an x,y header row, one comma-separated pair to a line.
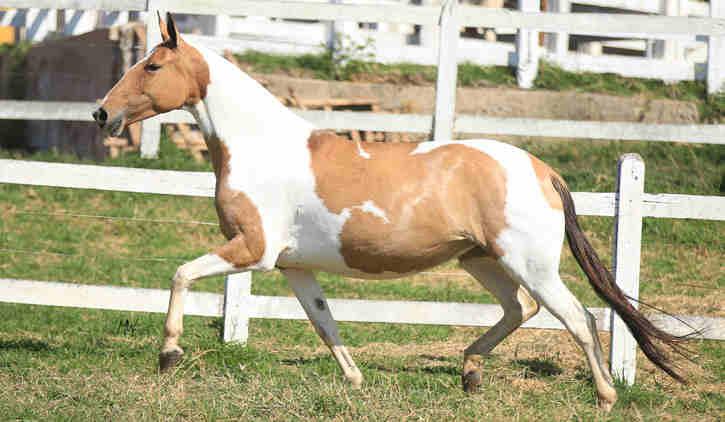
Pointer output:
x,y
449,19
670,57
238,305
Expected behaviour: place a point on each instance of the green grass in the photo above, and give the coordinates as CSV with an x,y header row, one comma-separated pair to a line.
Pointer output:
x,y
76,364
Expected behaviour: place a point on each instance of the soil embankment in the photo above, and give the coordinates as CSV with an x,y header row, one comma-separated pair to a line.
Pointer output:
x,y
495,102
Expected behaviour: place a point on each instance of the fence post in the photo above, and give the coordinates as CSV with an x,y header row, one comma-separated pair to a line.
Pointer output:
x,y
222,26
716,53
151,128
626,259
557,43
445,106
236,316
332,34
527,48
670,49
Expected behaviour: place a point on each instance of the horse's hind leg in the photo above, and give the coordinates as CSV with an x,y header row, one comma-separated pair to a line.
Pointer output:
x,y
544,283
310,295
518,306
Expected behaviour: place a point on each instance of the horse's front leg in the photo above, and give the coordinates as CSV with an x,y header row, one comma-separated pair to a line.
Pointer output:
x,y
231,258
310,295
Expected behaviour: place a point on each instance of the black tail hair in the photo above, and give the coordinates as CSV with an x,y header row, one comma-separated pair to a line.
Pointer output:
x,y
649,337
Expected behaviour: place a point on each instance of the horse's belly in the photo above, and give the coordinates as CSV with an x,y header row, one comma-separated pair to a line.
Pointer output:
x,y
351,245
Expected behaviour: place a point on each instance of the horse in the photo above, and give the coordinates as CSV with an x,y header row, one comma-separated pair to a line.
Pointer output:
x,y
300,200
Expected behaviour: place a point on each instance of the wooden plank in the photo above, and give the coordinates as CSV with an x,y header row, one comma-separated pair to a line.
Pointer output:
x,y
68,110
402,312
236,314
169,182
308,11
82,176
624,131
626,256
594,203
349,120
579,23
105,297
447,75
415,123
47,110
592,23
669,205
350,310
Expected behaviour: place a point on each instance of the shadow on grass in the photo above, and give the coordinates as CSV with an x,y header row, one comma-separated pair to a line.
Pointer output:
x,y
533,368
392,369
25,344
303,361
538,368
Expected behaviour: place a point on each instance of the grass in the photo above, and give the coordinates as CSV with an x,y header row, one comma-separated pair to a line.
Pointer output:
x,y
550,77
86,365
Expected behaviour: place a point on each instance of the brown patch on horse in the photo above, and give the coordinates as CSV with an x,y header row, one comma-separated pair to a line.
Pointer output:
x,y
239,218
437,204
544,174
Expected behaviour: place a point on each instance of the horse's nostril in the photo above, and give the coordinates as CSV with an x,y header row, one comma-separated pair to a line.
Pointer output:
x,y
100,116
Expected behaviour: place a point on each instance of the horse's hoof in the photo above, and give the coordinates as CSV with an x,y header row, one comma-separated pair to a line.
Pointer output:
x,y
471,380
169,358
355,380
607,400
605,406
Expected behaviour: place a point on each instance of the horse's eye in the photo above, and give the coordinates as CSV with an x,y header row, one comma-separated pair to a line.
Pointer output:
x,y
152,67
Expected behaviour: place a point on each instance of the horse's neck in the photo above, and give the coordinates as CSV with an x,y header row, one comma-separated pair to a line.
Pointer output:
x,y
243,115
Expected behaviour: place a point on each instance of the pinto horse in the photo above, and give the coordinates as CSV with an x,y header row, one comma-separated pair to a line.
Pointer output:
x,y
293,198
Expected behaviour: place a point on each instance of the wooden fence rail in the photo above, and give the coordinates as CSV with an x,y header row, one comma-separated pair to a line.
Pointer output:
x,y
580,23
629,205
417,123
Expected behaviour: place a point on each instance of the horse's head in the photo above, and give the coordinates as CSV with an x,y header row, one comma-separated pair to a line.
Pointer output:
x,y
172,75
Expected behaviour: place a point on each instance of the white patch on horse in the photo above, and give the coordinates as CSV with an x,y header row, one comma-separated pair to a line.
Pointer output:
x,y
369,206
364,154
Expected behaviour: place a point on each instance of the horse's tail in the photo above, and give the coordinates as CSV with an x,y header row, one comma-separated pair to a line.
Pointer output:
x,y
649,337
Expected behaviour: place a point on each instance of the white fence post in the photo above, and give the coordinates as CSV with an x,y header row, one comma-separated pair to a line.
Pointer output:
x,y
445,106
236,314
626,257
151,128
671,50
222,26
716,53
332,33
527,48
557,43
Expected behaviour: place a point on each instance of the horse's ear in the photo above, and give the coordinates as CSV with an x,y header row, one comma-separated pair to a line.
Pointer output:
x,y
172,31
163,28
